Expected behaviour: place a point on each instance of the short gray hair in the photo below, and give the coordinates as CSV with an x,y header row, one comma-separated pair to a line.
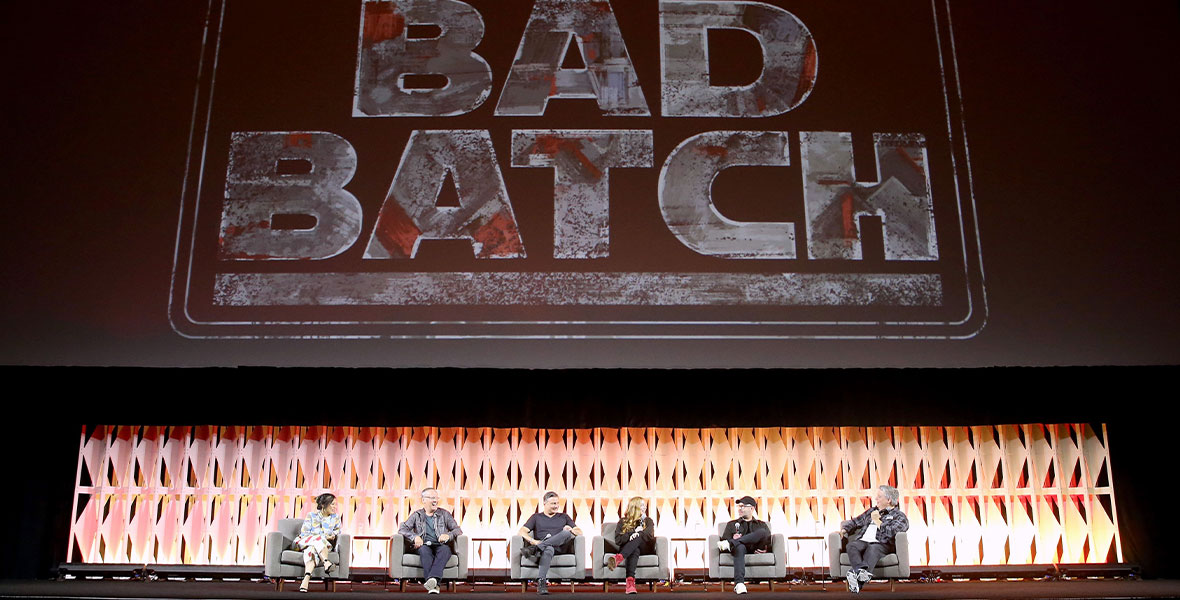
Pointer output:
x,y
429,489
890,493
549,495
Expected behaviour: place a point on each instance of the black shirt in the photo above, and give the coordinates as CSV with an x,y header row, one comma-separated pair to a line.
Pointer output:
x,y
543,526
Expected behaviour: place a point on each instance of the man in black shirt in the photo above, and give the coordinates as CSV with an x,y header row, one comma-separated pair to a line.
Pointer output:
x,y
547,533
742,535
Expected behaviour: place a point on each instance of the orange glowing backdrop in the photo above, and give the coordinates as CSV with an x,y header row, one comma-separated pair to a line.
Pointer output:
x,y
986,495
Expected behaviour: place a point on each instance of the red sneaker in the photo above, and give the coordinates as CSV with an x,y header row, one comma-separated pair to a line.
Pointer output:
x,y
631,586
614,561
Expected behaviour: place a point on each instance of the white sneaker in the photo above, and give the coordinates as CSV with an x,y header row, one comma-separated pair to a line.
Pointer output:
x,y
739,588
853,583
723,545
864,576
432,586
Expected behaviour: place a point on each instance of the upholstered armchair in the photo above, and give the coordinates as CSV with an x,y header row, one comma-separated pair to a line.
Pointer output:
x,y
281,561
564,566
891,566
769,565
404,563
652,567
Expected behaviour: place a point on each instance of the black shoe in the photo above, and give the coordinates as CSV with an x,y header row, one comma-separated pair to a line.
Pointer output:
x,y
542,587
531,552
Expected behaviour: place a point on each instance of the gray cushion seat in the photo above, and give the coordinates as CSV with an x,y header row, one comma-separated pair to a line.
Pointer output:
x,y
645,560
413,560
295,557
559,560
753,559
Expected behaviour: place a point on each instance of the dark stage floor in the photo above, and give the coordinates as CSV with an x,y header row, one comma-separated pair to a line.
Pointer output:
x,y
219,590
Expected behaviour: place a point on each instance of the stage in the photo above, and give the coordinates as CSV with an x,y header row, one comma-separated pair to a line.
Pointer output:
x,y
124,589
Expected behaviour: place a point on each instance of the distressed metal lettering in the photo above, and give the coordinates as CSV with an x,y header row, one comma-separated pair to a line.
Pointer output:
x,y
835,201
581,161
578,288
260,184
410,214
687,204
536,74
386,55
788,53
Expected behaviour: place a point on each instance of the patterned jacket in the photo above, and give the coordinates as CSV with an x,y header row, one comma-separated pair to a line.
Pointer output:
x,y
317,524
893,522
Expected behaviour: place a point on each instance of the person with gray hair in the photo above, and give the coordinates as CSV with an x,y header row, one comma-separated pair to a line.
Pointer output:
x,y
871,535
432,532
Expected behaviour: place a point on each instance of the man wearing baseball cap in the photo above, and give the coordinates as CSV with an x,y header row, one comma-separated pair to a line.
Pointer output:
x,y
743,535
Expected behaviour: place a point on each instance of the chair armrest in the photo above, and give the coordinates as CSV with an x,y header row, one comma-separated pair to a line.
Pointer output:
x,y
579,557
397,548
662,558
714,556
344,550
834,554
515,543
903,553
597,555
272,553
463,549
778,545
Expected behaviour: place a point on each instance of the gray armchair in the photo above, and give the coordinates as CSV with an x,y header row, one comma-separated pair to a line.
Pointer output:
x,y
283,562
405,564
891,566
769,565
564,566
652,567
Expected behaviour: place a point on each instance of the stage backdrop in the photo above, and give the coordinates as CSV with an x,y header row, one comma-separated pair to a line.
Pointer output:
x,y
993,495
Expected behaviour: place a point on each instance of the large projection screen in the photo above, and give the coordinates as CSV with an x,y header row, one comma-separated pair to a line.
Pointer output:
x,y
570,168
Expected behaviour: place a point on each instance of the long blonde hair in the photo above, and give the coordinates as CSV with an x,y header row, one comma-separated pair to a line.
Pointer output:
x,y
634,513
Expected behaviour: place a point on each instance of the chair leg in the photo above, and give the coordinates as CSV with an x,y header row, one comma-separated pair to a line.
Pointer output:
x,y
891,580
772,585
279,584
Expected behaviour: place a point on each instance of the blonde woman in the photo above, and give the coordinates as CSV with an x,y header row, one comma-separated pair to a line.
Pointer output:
x,y
317,536
635,534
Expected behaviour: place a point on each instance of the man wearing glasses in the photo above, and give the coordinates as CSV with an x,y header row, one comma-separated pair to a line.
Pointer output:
x,y
431,530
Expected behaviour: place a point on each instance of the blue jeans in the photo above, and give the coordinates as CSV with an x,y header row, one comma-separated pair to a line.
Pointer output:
x,y
434,559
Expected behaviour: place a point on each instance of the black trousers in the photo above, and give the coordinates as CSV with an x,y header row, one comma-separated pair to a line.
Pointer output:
x,y
631,551
743,545
864,555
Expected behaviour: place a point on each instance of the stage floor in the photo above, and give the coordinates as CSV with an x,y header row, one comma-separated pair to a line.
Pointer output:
x,y
230,590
